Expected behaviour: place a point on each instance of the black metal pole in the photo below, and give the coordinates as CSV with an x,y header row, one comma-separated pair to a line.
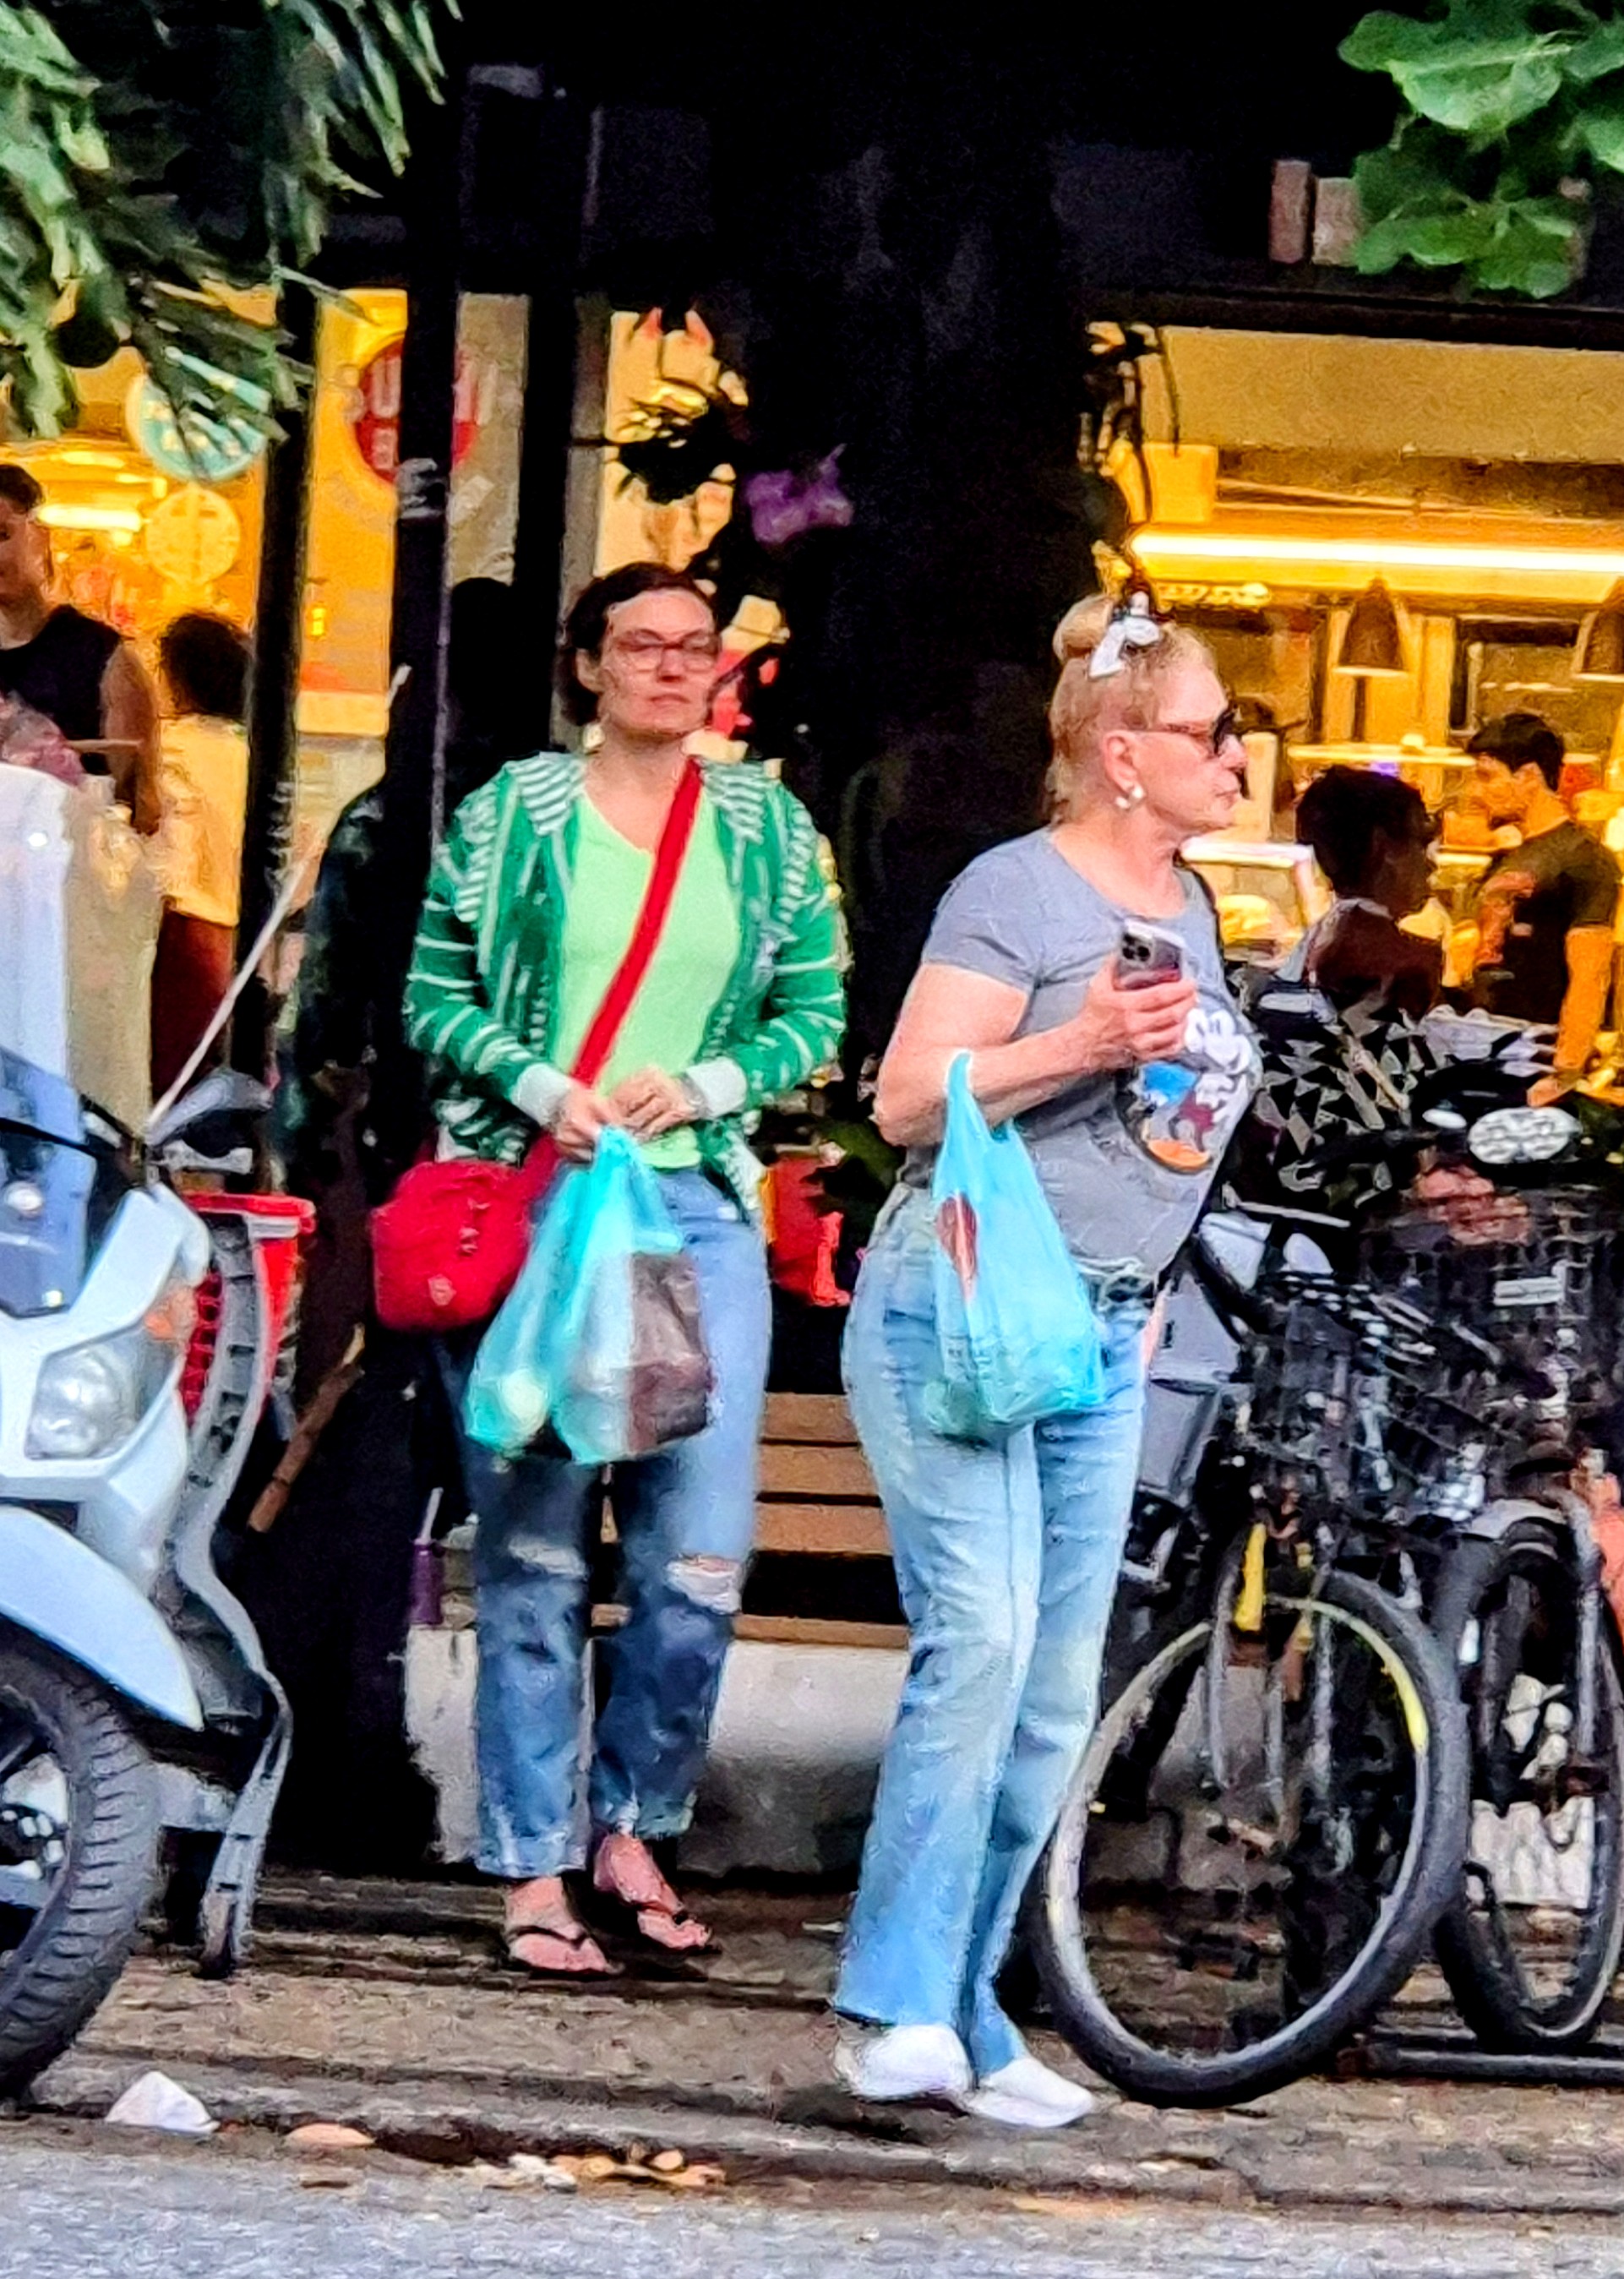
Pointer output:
x,y
561,131
413,787
272,723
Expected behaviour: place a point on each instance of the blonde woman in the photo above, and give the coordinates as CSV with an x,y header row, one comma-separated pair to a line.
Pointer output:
x,y
1008,1551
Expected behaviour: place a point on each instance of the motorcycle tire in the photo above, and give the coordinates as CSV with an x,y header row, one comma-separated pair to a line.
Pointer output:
x,y
65,1961
1425,1709
1528,1976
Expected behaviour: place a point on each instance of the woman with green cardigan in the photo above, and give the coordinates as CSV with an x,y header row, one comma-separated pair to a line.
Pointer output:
x,y
530,906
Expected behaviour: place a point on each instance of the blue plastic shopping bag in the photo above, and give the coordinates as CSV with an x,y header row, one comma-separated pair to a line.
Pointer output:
x,y
1015,1323
599,1352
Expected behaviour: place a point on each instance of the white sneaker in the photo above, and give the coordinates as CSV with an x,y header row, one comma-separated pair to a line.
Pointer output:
x,y
1027,2095
892,2064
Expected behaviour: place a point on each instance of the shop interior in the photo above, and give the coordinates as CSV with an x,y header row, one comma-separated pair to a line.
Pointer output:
x,y
144,528
1388,543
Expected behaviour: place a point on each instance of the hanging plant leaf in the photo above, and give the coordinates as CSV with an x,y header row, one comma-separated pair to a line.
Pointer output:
x,y
1595,56
1601,133
1477,71
152,157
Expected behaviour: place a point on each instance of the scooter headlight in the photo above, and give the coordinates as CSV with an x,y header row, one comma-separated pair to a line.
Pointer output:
x,y
91,1399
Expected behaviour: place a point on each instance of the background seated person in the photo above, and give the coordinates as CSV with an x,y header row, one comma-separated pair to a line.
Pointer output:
x,y
1371,835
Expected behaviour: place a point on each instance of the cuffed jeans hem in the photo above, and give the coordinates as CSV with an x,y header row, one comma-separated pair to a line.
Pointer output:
x,y
525,1863
649,1827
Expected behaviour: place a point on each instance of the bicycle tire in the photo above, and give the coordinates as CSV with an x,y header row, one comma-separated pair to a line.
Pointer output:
x,y
1476,1948
1425,1688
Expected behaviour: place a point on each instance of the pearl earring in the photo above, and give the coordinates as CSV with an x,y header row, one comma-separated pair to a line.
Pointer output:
x,y
1129,799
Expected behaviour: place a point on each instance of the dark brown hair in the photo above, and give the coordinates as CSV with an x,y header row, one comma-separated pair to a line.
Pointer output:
x,y
1522,740
1341,813
19,489
588,623
206,660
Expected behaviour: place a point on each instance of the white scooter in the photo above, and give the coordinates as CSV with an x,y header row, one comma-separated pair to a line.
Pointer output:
x,y
138,1336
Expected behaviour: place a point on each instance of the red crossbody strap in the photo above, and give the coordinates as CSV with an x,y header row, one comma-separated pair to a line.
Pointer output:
x,y
599,1042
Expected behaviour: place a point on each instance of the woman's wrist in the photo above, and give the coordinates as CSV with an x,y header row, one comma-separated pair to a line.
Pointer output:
x,y
540,1094
716,1088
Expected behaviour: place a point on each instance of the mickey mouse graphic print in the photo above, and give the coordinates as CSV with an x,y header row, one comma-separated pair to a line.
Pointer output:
x,y
1183,1112
1125,1159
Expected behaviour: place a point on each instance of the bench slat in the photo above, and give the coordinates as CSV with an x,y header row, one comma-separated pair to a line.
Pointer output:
x,y
837,1531
789,1630
820,1417
795,1468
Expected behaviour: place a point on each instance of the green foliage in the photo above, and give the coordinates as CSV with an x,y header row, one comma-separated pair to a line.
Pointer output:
x,y
152,153
1511,109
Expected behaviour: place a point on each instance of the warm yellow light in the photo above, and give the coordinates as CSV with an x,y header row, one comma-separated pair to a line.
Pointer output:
x,y
1152,545
57,517
76,455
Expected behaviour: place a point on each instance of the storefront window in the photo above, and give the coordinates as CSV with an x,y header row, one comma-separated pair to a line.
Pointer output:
x,y
1477,491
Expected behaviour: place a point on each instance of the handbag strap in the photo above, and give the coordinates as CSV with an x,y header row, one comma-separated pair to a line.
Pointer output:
x,y
607,1021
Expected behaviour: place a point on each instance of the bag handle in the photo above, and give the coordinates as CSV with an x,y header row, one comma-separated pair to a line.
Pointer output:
x,y
610,1018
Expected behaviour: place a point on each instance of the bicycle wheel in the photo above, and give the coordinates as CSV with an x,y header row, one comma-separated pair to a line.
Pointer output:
x,y
1216,1920
1530,1943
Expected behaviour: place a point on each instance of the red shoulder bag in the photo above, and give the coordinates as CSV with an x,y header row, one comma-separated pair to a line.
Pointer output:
x,y
449,1243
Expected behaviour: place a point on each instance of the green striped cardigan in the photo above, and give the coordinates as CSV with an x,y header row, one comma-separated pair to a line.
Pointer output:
x,y
481,994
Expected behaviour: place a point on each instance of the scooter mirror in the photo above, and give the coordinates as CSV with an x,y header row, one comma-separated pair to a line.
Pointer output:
x,y
1523,1135
225,1093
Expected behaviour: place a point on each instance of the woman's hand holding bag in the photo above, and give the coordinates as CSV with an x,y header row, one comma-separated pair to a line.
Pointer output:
x,y
1015,1324
600,1346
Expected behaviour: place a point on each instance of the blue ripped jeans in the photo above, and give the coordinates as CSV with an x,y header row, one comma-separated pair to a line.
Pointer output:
x,y
1006,1557
686,1519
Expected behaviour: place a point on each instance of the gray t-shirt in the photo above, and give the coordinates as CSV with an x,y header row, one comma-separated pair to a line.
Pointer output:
x,y
1125,1159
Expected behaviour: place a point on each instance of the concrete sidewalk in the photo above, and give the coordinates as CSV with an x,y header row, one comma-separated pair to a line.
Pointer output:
x,y
384,2007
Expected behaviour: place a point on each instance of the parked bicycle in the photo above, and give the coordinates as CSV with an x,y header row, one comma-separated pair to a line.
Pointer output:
x,y
1361,1636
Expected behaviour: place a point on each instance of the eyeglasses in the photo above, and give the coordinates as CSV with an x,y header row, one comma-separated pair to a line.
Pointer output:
x,y
647,652
1214,735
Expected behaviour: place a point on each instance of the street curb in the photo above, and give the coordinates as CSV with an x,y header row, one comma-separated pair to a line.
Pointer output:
x,y
1119,2157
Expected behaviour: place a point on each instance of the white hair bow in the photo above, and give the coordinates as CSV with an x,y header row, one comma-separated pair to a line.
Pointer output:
x,y
1132,627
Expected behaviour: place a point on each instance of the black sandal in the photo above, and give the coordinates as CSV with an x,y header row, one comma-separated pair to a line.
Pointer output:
x,y
571,1936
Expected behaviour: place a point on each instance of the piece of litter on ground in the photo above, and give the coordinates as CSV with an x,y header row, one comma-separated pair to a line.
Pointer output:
x,y
550,2175
330,2180
330,2137
154,2101
667,2164
491,2179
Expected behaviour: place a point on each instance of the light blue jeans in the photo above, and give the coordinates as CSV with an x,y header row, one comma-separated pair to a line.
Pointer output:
x,y
1007,1558
686,1519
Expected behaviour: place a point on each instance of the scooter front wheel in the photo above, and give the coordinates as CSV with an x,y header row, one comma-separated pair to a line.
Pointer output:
x,y
79,1829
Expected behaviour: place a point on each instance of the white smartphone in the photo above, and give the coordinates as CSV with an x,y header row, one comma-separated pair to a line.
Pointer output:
x,y
1148,956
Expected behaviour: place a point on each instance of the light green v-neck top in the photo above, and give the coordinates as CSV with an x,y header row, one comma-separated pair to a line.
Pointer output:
x,y
665,1027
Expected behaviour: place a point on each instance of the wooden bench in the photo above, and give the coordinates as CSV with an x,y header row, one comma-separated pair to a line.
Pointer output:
x,y
816,1502
817,1495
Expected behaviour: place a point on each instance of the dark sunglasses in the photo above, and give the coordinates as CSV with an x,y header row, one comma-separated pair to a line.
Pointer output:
x,y
1214,735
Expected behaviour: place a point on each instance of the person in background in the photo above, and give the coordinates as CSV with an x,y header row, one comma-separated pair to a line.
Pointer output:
x,y
74,670
204,791
1545,910
1007,1550
350,1109
530,906
1372,836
